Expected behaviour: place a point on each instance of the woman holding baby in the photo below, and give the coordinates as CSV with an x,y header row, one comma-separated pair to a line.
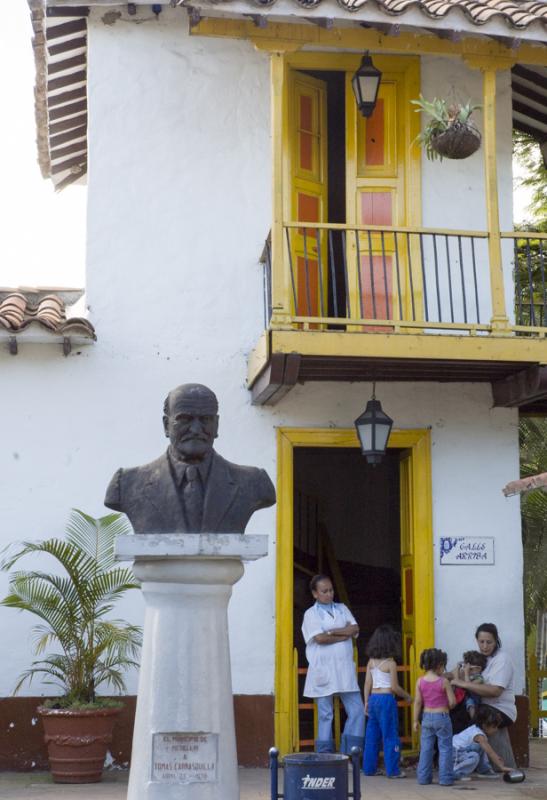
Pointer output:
x,y
497,689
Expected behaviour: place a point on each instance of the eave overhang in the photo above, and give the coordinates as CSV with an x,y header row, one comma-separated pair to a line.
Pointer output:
x,y
60,45
60,52
527,19
451,20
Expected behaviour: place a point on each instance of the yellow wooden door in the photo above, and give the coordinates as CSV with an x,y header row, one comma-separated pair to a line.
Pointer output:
x,y
380,176
308,166
416,558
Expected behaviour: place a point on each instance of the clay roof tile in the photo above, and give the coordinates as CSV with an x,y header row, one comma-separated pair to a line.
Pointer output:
x,y
23,307
12,310
517,13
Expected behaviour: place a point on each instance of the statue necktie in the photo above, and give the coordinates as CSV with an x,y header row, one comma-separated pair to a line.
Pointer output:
x,y
193,499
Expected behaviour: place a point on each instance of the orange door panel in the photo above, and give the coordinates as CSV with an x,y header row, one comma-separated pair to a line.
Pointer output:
x,y
375,181
308,134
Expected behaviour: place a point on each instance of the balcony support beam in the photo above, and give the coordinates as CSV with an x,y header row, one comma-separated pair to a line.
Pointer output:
x,y
343,37
499,313
277,379
489,67
280,275
526,387
411,346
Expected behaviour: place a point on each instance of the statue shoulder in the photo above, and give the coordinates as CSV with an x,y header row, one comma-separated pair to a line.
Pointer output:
x,y
240,472
113,493
251,477
124,479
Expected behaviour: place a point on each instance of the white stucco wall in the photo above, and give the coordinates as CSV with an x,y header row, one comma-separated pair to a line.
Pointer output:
x,y
179,206
453,193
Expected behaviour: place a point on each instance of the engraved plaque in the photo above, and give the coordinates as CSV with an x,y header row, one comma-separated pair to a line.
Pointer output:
x,y
184,757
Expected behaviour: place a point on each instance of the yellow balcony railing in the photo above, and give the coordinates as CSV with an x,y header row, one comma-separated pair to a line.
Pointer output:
x,y
529,277
376,278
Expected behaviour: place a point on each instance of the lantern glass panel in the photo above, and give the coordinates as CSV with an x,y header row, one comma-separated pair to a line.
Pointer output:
x,y
368,88
365,436
382,434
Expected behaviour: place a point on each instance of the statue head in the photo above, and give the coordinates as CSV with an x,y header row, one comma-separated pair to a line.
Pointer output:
x,y
190,421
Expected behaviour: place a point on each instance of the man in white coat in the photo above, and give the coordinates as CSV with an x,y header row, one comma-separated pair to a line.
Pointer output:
x,y
329,629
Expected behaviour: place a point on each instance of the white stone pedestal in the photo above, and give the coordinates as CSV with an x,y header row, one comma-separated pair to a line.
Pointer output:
x,y
184,744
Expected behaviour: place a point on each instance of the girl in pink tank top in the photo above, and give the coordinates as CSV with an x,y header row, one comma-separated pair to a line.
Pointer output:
x,y
433,700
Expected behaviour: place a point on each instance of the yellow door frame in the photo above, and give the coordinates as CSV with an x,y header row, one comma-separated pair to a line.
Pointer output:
x,y
417,441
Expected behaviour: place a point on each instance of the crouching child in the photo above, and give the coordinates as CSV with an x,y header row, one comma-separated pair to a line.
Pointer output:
x,y
472,750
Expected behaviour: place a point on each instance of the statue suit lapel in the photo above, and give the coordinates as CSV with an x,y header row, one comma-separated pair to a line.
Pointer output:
x,y
220,494
161,492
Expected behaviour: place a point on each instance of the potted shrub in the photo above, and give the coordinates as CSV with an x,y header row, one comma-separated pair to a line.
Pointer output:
x,y
93,650
451,132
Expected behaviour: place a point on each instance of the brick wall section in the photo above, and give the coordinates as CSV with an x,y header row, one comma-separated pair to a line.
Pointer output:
x,y
22,746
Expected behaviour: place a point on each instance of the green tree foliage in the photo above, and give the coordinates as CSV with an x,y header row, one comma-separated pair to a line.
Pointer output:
x,y
73,604
530,273
530,277
530,308
533,460
527,152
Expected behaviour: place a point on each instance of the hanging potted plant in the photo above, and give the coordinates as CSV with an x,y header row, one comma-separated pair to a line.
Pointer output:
x,y
93,650
451,132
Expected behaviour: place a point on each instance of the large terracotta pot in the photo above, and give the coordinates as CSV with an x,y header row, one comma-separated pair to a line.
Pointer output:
x,y
77,742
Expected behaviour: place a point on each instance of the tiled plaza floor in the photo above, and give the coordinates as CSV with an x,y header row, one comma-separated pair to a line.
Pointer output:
x,y
255,785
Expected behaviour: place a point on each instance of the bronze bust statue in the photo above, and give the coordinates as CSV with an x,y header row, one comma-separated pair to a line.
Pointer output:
x,y
190,488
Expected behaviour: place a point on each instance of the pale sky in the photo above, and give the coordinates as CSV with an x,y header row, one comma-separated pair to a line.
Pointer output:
x,y
42,234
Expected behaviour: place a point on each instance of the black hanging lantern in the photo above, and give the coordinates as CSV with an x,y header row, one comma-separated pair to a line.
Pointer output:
x,y
373,428
366,83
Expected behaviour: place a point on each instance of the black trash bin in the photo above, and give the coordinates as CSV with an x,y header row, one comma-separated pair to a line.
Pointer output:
x,y
315,776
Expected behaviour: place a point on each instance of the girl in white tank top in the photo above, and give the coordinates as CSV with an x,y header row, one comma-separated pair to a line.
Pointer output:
x,y
381,673
381,687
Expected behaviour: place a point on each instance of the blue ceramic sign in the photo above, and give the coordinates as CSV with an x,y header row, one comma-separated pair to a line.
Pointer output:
x,y
456,550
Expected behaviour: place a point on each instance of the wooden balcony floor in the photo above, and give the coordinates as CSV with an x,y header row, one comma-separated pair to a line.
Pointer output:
x,y
513,365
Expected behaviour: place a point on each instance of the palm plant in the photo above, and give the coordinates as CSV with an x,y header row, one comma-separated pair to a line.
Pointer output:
x,y
74,606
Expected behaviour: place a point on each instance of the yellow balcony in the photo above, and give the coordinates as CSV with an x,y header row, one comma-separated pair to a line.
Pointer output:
x,y
347,303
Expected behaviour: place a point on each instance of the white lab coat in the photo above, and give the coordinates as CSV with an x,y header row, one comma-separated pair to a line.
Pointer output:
x,y
331,667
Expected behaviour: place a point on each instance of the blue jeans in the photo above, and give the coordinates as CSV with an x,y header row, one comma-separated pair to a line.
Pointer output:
x,y
469,759
472,701
355,712
436,726
382,726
